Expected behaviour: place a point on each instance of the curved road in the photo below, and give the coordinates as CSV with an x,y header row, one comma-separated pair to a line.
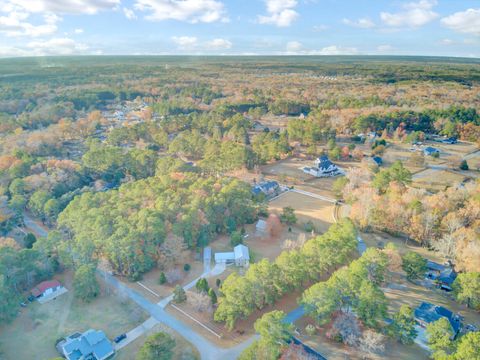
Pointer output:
x,y
207,350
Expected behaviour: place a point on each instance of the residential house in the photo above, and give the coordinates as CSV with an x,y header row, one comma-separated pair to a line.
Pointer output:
x,y
91,345
240,256
323,168
430,151
269,188
427,313
48,290
443,275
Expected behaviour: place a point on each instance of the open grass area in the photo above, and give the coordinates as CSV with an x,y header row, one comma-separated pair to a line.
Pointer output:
x,y
150,279
183,349
32,335
319,212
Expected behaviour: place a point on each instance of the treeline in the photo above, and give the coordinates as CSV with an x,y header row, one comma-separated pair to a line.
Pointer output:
x,y
355,289
20,270
128,225
454,121
446,221
265,282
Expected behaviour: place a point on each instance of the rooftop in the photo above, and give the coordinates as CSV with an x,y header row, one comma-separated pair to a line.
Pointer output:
x,y
44,285
429,313
91,344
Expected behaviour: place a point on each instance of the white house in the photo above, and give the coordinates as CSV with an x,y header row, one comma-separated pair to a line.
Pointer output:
x,y
48,290
240,256
323,168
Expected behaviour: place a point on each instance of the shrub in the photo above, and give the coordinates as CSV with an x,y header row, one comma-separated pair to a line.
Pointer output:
x,y
310,329
464,165
187,267
162,279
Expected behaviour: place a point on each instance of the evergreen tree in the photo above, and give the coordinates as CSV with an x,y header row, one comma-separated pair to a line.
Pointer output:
x,y
179,294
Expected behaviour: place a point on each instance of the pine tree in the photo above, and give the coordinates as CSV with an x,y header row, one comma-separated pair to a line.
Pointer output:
x,y
179,295
213,296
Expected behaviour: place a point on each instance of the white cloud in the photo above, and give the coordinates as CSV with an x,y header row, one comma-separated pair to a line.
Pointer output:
x,y
129,14
193,11
336,50
15,24
467,21
185,42
414,14
363,23
78,31
280,13
56,46
294,46
447,42
319,28
65,6
217,44
191,43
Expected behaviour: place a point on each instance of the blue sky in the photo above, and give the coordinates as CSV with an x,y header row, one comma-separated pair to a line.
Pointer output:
x,y
277,27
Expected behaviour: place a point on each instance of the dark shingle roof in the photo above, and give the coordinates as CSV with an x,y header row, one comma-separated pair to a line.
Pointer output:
x,y
430,313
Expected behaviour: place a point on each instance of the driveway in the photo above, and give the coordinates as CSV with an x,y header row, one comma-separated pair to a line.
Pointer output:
x,y
207,350
33,226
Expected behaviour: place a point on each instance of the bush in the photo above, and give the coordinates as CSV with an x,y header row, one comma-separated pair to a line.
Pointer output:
x,y
464,165
162,279
310,329
187,267
308,226
236,238
29,240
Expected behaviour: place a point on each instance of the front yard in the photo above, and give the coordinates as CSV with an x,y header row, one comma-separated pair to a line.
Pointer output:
x,y
33,334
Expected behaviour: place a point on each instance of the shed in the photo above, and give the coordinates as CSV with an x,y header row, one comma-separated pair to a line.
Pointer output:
x,y
261,227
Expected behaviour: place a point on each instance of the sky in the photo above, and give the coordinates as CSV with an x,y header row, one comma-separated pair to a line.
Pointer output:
x,y
240,27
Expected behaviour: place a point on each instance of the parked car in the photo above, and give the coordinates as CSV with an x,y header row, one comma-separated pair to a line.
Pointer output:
x,y
120,338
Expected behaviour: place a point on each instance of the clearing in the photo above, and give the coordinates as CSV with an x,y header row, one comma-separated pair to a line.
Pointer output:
x,y
307,208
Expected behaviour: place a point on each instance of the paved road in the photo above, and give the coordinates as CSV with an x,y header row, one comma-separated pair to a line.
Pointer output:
x,y
33,226
207,350
294,315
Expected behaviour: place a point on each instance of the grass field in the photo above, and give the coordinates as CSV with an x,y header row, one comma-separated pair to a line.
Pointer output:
x,y
32,335
306,209
183,349
434,179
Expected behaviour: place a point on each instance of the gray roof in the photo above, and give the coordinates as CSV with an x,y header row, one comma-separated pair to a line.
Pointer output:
x,y
224,256
261,225
430,313
241,252
431,265
90,343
